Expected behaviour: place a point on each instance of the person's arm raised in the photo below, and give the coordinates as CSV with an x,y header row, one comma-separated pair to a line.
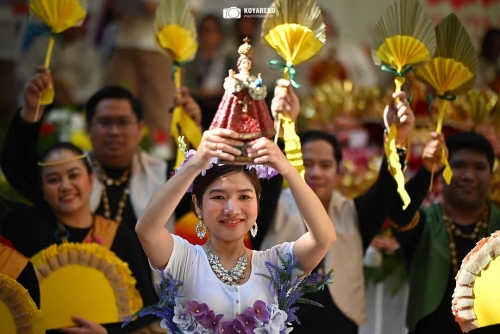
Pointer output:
x,y
155,238
311,247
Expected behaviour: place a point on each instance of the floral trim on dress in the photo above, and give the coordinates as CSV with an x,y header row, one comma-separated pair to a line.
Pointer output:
x,y
276,318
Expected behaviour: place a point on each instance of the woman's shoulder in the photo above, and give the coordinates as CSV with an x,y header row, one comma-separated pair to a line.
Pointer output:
x,y
272,254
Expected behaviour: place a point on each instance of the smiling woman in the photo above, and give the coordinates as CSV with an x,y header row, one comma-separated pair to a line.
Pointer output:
x,y
226,200
61,223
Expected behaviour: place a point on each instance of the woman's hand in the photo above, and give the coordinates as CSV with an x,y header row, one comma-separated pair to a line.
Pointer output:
x,y
84,327
216,143
265,151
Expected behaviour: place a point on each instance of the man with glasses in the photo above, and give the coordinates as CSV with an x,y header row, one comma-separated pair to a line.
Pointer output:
x,y
126,176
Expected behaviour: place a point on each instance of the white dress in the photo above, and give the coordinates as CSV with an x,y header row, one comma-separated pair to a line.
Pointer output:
x,y
189,264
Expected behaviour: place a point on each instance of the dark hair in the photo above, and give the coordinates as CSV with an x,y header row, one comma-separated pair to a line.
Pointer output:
x,y
201,182
473,141
4,211
63,146
488,45
311,135
209,17
112,92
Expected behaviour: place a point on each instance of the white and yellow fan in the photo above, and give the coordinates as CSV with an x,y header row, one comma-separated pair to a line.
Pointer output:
x,y
18,312
476,296
85,280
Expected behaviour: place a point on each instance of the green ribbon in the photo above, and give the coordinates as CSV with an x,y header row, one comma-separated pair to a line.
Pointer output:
x,y
43,29
176,65
394,72
284,67
431,98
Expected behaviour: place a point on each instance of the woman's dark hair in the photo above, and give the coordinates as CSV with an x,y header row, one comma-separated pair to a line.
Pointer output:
x,y
63,146
112,92
312,135
473,141
201,183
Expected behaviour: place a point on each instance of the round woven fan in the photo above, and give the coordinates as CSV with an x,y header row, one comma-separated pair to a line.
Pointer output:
x,y
18,312
476,296
86,280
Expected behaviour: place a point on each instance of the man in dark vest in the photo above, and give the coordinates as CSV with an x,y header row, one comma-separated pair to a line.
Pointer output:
x,y
436,239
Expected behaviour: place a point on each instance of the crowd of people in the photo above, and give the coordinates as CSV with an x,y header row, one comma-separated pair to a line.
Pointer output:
x,y
254,212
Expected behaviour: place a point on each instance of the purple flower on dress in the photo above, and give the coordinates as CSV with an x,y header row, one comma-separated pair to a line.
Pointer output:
x,y
196,309
210,320
260,310
248,320
227,327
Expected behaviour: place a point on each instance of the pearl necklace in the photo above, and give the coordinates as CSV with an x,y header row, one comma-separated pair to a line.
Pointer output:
x,y
229,277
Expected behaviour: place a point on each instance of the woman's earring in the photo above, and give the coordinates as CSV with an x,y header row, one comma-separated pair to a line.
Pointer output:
x,y
253,230
201,229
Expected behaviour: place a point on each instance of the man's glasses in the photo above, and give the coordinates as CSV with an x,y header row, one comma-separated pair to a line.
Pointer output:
x,y
120,123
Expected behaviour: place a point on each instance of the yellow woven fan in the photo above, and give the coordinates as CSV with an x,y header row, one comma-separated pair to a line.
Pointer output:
x,y
58,15
403,39
86,280
176,37
18,312
296,35
476,296
452,71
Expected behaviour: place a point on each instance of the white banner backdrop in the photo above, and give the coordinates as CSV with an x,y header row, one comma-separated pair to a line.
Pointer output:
x,y
356,18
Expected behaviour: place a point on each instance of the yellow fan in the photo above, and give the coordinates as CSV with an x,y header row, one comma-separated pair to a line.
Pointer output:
x,y
176,37
86,280
58,15
296,35
476,296
452,71
404,38
18,312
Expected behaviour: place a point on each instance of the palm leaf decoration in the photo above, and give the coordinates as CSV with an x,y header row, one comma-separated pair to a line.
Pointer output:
x,y
176,37
296,35
452,71
57,16
475,109
404,38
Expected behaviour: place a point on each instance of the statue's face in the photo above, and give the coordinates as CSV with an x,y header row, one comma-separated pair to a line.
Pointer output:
x,y
245,65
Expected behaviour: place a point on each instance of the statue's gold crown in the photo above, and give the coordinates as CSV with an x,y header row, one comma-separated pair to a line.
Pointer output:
x,y
245,49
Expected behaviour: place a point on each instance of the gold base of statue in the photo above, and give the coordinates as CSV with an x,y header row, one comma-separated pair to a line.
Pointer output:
x,y
242,159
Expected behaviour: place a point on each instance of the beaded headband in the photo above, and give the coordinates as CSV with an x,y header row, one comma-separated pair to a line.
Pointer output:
x,y
262,171
58,162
